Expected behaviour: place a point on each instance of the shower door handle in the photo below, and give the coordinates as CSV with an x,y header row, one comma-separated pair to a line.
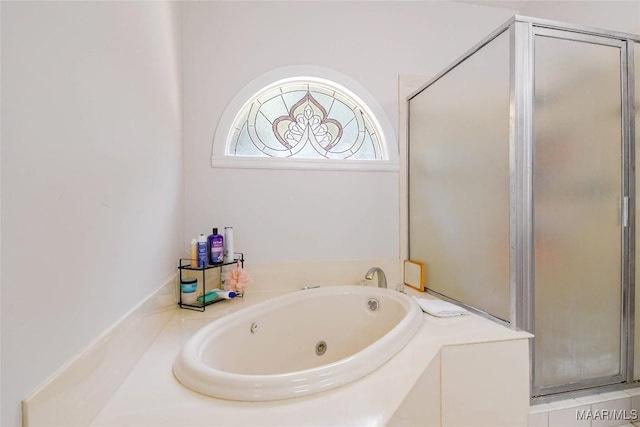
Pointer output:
x,y
625,211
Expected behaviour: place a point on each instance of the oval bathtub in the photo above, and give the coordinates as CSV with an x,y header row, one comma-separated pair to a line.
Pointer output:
x,y
301,343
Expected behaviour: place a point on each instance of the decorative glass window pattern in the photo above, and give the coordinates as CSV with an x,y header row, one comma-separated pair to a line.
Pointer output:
x,y
304,119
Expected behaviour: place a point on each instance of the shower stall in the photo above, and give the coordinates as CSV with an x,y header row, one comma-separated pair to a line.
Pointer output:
x,y
522,194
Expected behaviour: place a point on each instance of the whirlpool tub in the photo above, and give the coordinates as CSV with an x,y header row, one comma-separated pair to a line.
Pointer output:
x,y
298,344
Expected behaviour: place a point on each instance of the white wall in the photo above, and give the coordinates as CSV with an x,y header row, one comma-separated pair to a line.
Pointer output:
x,y
610,15
92,176
298,216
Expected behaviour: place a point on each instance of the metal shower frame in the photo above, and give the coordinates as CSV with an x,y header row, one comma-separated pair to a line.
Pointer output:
x,y
522,31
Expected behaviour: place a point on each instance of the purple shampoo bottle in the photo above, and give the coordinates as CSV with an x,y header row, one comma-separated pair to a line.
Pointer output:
x,y
215,242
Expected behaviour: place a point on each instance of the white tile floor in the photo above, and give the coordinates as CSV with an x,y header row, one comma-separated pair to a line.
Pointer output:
x,y
611,409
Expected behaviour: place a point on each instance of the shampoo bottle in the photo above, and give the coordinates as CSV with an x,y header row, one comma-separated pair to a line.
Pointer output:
x,y
215,242
202,251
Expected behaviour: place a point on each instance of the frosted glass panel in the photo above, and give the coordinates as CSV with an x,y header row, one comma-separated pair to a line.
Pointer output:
x,y
459,180
577,192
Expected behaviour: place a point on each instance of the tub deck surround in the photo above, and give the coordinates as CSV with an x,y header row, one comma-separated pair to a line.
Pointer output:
x,y
151,395
271,351
75,394
294,275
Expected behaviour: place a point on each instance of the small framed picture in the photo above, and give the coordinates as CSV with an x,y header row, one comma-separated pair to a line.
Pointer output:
x,y
414,274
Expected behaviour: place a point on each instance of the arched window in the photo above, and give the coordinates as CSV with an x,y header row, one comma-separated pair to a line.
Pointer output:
x,y
303,121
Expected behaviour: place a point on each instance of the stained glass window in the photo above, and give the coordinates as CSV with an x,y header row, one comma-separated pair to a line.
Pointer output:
x,y
305,119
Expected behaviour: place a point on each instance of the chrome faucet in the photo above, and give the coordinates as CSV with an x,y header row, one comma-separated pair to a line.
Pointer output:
x,y
382,279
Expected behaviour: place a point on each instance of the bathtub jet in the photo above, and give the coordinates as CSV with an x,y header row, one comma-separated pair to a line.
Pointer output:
x,y
298,344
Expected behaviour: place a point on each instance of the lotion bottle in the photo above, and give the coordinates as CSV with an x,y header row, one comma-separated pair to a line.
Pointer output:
x,y
215,242
194,253
228,244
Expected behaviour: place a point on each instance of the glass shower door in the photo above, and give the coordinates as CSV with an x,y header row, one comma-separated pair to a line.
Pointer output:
x,y
578,202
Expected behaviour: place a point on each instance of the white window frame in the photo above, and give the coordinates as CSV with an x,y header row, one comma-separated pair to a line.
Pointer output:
x,y
220,158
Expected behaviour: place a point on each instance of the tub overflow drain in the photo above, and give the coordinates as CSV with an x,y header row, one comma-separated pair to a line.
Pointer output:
x,y
321,347
373,304
254,328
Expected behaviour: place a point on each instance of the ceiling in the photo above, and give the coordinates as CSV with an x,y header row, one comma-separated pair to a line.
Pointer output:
x,y
505,4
